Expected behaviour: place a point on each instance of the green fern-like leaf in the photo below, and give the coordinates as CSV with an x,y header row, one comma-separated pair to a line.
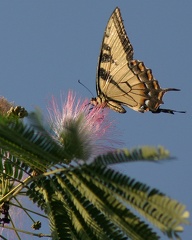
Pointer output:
x,y
111,207
11,167
89,220
145,153
165,213
36,149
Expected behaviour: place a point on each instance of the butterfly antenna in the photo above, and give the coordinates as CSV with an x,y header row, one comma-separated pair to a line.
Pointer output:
x,y
85,87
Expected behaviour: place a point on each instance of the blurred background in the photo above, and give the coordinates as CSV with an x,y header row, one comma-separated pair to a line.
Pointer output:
x,y
46,46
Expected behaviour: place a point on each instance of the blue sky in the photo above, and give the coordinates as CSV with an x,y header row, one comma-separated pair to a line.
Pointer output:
x,y
46,46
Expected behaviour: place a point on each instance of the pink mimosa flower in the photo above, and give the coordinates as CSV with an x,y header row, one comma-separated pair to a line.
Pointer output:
x,y
80,128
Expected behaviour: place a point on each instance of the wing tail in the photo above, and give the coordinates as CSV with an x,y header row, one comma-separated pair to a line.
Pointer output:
x,y
171,89
170,111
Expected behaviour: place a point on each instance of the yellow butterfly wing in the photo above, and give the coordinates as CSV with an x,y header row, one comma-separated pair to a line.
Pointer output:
x,y
122,80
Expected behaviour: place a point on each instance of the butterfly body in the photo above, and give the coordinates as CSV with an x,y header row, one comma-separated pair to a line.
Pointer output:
x,y
121,80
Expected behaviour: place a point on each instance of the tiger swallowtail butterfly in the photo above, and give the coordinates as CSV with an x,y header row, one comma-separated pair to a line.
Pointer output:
x,y
121,80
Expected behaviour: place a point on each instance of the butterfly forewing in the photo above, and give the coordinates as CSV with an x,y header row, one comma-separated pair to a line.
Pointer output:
x,y
116,81
113,55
